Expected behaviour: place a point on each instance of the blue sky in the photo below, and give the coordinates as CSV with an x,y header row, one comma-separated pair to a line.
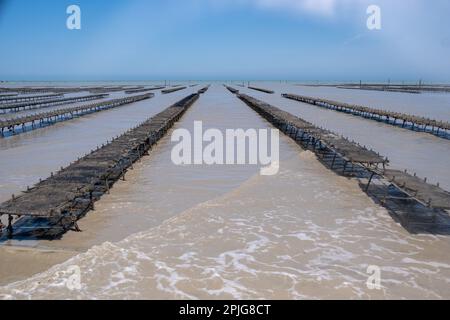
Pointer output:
x,y
225,39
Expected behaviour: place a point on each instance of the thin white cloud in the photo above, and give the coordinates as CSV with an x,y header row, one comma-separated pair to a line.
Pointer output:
x,y
325,7
318,7
353,39
315,7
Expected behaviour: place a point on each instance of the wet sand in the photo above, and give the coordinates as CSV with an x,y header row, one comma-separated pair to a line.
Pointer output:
x,y
226,232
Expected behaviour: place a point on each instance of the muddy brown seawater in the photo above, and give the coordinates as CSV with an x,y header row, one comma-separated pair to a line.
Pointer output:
x,y
202,232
